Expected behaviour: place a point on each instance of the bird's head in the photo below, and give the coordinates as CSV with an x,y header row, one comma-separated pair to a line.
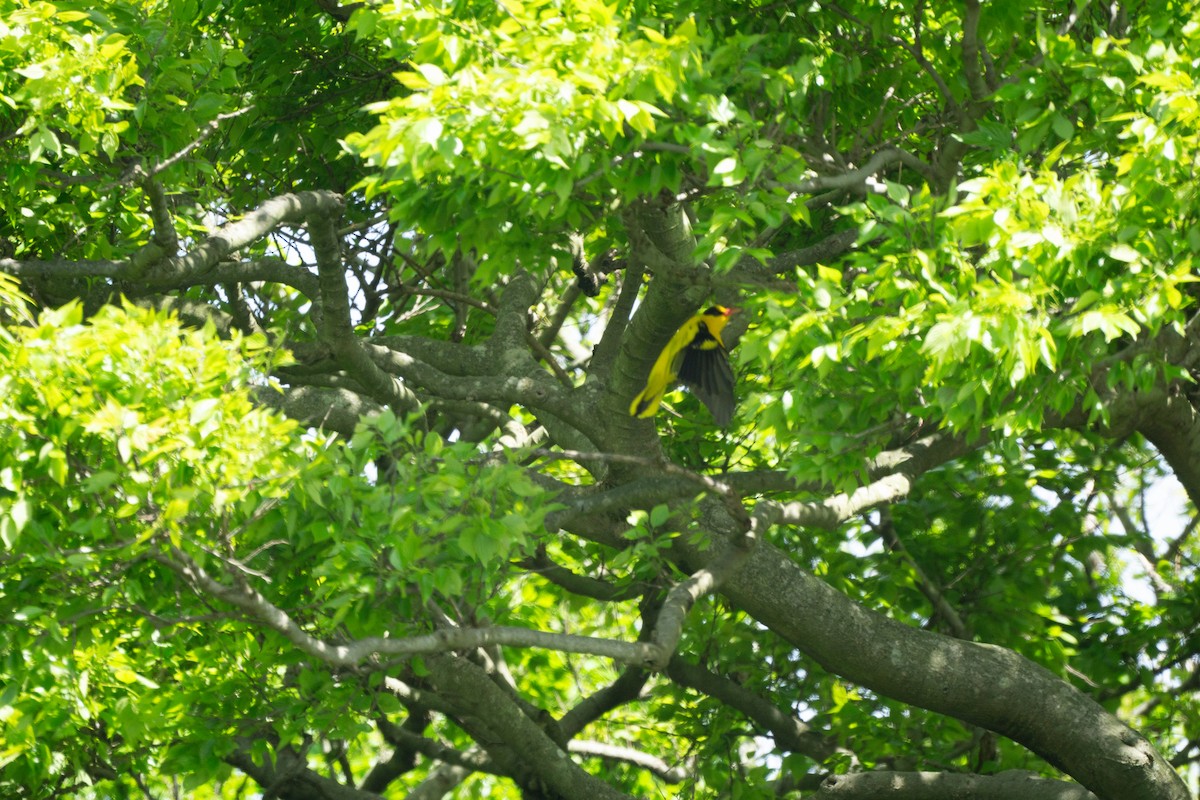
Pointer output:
x,y
715,318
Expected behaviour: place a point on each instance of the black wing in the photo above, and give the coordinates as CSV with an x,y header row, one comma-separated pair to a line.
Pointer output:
x,y
706,371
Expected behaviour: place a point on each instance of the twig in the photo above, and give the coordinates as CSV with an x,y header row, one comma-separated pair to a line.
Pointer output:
x,y
928,587
913,49
208,131
444,294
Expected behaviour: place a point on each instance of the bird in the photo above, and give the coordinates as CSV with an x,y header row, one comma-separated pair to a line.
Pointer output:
x,y
696,357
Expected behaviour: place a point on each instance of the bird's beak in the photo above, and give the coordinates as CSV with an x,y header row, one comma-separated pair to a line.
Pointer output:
x,y
729,312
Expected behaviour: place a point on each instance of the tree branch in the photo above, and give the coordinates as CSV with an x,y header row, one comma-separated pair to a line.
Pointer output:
x,y
927,586
331,409
981,684
828,249
972,60
625,689
515,742
164,227
582,585
404,753
790,734
288,777
1164,414
208,130
63,268
414,742
336,327
357,651
908,464
855,177
440,783
669,626
611,752
948,786
294,208
604,355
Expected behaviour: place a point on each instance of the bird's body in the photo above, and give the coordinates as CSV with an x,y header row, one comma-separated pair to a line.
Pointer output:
x,y
696,356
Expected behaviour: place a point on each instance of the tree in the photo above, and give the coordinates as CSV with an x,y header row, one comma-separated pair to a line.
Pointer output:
x,y
319,479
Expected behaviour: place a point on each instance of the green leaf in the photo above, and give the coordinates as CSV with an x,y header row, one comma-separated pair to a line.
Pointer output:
x,y
1062,126
432,73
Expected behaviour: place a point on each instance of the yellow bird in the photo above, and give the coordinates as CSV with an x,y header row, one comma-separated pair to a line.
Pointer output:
x,y
696,357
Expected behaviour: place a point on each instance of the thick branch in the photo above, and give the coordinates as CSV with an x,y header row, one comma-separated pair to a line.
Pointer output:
x,y
407,740
499,371
332,409
63,268
981,684
164,227
972,58
267,268
1173,427
661,239
833,511
150,268
514,741
1164,414
607,349
336,327
293,208
439,783
536,390
948,786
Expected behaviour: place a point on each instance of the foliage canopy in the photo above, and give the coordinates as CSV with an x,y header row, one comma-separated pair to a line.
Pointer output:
x,y
320,327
